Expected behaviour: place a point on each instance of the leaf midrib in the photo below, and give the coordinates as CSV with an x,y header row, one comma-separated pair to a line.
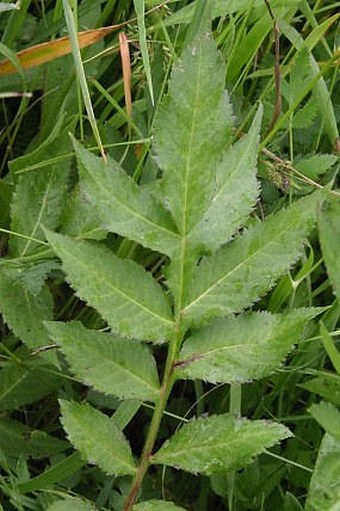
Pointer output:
x,y
118,291
237,267
123,369
133,212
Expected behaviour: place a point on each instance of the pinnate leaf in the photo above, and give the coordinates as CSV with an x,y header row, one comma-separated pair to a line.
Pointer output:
x,y
192,129
97,438
235,194
329,231
220,442
122,206
239,273
111,365
241,349
126,296
157,505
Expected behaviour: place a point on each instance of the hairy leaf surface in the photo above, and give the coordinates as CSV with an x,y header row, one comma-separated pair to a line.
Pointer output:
x,y
192,128
220,442
157,505
240,349
238,274
327,416
24,312
40,194
235,193
79,218
125,295
122,206
97,438
111,365
329,231
324,490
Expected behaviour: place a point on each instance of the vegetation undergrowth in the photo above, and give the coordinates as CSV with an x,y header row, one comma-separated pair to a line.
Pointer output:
x,y
169,279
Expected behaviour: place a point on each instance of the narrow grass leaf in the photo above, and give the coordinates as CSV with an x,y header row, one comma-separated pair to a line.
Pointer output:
x,y
324,489
239,273
111,365
329,233
217,443
81,74
140,11
126,296
321,91
235,194
97,438
72,504
54,474
45,52
157,505
327,416
192,129
122,206
330,347
241,349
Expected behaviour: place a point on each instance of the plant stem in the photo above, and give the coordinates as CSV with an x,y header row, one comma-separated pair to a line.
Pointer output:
x,y
167,384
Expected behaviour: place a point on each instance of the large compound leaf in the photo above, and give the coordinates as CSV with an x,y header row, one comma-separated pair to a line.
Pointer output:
x,y
238,274
192,128
40,193
97,438
324,490
157,505
127,297
221,442
24,312
241,349
122,206
235,193
124,368
329,231
71,504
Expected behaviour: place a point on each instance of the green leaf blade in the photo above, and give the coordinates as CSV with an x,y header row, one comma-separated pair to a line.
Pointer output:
x,y
40,194
238,274
126,296
236,192
192,127
241,349
122,206
157,505
217,443
24,312
324,489
97,438
329,231
71,504
111,365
